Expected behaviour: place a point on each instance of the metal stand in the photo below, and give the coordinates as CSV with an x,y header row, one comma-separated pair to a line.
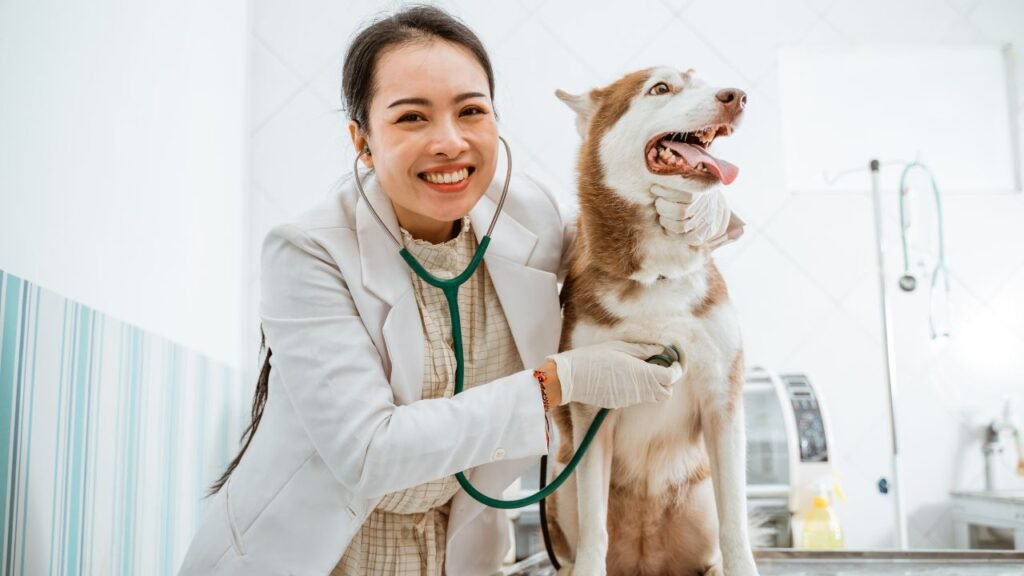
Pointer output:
x,y
887,347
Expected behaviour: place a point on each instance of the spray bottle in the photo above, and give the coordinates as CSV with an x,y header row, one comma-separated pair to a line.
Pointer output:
x,y
821,529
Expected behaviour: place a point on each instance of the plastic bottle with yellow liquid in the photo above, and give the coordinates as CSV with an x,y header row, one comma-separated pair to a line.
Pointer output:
x,y
821,530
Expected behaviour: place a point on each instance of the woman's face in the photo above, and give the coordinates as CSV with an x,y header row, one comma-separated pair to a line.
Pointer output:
x,y
433,136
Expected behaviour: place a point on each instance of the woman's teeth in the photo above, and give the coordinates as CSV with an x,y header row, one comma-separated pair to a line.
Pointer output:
x,y
446,177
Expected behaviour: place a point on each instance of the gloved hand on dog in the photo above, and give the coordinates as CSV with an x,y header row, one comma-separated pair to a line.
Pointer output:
x,y
701,219
614,374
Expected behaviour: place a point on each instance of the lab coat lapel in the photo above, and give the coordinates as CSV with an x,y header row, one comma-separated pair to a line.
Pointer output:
x,y
528,296
386,275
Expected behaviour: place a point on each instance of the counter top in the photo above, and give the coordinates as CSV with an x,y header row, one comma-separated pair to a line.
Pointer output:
x,y
779,562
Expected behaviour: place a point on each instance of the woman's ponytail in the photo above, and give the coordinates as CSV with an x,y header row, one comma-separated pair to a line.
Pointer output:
x,y
259,399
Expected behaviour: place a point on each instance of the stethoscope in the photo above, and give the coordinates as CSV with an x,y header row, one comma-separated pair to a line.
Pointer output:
x,y
450,288
907,282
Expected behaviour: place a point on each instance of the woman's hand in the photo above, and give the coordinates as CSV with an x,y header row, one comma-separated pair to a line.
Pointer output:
x,y
700,219
613,375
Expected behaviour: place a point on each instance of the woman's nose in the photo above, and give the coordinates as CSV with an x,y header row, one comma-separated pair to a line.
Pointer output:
x,y
448,139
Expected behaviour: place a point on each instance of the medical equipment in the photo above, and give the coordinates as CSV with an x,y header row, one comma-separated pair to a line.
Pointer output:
x,y
450,288
789,450
908,283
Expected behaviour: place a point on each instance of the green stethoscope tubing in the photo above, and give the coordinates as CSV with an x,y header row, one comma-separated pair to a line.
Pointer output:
x,y
451,294
450,288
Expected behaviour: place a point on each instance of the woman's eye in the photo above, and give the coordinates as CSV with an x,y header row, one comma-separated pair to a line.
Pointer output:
x,y
472,111
659,89
410,117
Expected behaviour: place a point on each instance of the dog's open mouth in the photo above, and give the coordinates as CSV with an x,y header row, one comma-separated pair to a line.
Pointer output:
x,y
685,154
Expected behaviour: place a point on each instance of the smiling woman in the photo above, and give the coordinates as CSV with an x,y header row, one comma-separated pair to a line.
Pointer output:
x,y
348,466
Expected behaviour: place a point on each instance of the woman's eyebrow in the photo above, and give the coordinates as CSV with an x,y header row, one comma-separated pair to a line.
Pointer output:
x,y
425,102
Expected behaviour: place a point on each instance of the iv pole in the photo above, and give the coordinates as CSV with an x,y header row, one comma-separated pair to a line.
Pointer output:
x,y
887,347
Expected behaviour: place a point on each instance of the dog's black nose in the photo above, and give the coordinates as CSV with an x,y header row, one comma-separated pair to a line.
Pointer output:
x,y
733,98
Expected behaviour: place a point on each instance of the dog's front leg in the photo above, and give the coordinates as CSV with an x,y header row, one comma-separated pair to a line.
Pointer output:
x,y
592,480
723,427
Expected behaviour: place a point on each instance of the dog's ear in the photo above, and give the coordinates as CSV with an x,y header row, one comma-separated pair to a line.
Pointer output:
x,y
583,105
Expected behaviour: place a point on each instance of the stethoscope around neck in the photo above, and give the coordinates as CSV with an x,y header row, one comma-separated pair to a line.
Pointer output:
x,y
450,288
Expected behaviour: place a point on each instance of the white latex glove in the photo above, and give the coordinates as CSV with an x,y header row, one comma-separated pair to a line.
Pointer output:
x,y
614,374
701,219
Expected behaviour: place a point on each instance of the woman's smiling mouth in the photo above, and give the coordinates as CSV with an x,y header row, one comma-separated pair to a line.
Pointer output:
x,y
448,178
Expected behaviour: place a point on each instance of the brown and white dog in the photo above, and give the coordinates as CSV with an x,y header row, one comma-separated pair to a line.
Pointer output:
x,y
662,488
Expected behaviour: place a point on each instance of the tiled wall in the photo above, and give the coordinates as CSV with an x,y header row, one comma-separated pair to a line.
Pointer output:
x,y
109,437
802,277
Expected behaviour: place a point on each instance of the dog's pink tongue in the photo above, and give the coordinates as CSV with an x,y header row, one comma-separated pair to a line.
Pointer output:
x,y
694,155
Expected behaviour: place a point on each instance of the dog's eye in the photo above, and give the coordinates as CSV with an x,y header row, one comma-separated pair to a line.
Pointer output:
x,y
659,89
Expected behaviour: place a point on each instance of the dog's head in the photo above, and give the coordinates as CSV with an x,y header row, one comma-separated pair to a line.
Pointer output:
x,y
655,126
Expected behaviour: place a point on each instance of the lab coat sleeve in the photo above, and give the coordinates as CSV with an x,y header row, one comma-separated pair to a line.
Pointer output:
x,y
333,376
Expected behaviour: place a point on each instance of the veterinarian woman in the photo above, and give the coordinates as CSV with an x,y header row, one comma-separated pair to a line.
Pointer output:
x,y
349,460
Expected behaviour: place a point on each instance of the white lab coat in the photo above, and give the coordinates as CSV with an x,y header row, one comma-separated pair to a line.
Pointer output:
x,y
342,425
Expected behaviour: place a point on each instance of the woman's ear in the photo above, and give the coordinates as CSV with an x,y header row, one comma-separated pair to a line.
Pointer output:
x,y
360,142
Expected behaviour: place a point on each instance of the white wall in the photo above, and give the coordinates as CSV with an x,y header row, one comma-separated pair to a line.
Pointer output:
x,y
122,141
802,277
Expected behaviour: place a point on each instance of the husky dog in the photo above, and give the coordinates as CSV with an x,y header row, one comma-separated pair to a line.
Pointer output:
x,y
662,488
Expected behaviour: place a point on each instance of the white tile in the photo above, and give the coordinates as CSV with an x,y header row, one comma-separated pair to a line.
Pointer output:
x,y
327,83
264,212
821,33
272,83
765,90
999,20
820,7
301,153
496,23
981,366
677,6
608,37
540,128
873,21
984,239
748,35
777,307
727,256
961,31
306,35
830,238
964,7
930,526
677,46
1008,303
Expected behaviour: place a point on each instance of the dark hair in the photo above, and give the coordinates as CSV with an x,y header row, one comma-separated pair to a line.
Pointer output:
x,y
415,24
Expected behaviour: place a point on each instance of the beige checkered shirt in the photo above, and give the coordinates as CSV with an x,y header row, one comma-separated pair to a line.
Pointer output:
x,y
406,532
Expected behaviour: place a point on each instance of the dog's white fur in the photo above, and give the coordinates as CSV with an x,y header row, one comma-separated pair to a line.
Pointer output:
x,y
653,452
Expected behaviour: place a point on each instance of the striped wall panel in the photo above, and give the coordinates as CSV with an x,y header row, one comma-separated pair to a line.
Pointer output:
x,y
109,437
